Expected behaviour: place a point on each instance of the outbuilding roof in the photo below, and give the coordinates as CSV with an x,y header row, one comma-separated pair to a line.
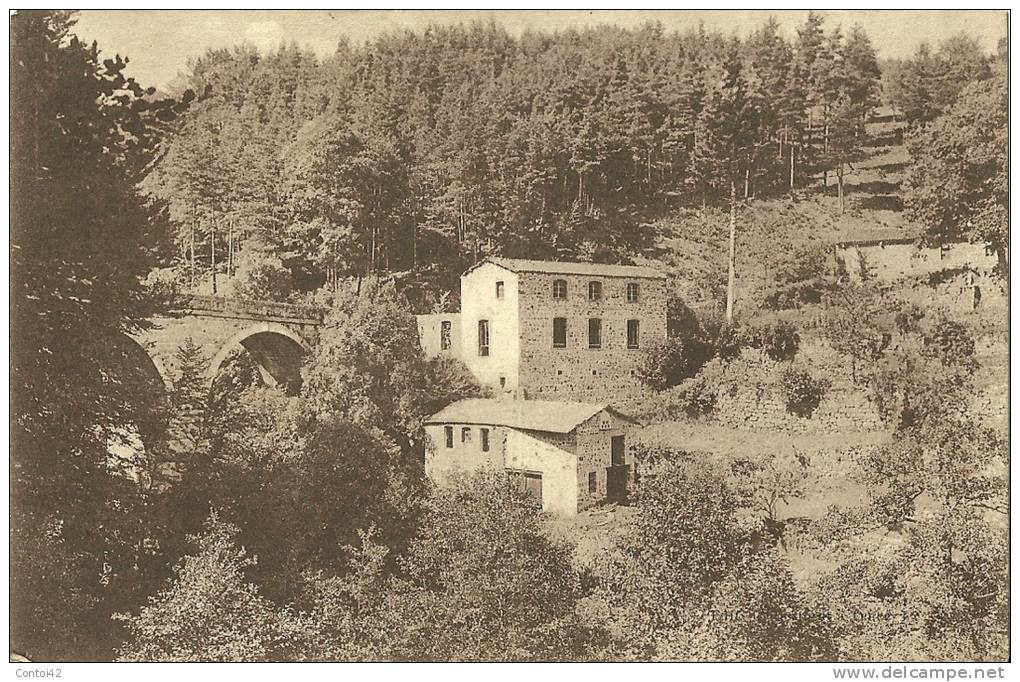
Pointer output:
x,y
875,237
552,416
565,268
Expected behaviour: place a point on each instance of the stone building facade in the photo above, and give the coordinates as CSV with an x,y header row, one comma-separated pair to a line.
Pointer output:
x,y
551,330
570,456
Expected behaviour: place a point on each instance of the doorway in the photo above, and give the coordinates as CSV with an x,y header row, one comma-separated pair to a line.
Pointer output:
x,y
619,449
618,472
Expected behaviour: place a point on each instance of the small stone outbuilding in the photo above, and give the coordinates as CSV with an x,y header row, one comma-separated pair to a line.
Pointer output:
x,y
571,456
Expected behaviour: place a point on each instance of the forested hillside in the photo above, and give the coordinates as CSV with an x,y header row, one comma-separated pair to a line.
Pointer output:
x,y
419,153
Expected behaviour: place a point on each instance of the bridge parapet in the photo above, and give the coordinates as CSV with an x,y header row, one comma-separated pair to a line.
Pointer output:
x,y
271,311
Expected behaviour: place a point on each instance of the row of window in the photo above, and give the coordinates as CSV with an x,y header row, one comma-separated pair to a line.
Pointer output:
x,y
559,334
465,436
559,290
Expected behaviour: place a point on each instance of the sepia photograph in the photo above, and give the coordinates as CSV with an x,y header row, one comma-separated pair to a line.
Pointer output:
x,y
575,336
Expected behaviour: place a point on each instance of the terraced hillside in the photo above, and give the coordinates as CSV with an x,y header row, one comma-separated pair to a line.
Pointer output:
x,y
773,233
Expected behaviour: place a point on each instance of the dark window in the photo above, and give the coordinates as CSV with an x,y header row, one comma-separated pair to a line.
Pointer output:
x,y
593,482
499,290
633,292
594,291
633,327
502,382
485,440
445,331
449,436
465,434
559,288
559,332
483,337
594,332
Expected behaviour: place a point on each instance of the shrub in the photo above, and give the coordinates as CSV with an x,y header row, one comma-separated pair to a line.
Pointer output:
x,y
722,335
665,365
728,341
685,536
802,391
692,399
759,614
692,342
798,294
210,611
802,277
484,582
855,328
779,340
949,341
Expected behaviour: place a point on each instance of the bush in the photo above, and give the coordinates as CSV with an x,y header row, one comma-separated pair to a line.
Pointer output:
x,y
798,294
484,582
692,399
692,342
665,365
802,391
856,325
722,335
685,536
951,342
779,340
210,611
759,614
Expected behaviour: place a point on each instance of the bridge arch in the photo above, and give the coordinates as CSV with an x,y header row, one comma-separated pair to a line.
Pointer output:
x,y
133,363
276,348
147,396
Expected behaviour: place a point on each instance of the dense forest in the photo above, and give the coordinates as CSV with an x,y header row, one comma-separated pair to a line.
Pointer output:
x,y
262,526
421,153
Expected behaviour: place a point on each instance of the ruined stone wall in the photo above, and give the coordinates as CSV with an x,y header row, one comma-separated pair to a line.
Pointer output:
x,y
749,395
991,381
430,334
840,410
956,291
577,372
890,262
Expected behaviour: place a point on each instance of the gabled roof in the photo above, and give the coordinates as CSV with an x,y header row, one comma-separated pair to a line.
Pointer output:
x,y
534,415
564,268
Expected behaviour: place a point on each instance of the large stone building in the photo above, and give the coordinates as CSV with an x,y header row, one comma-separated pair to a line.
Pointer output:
x,y
570,456
551,330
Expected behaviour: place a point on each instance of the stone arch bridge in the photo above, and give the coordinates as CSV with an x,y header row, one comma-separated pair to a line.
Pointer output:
x,y
275,335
